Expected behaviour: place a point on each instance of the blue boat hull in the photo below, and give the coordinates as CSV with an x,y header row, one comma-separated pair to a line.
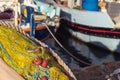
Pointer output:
x,y
40,34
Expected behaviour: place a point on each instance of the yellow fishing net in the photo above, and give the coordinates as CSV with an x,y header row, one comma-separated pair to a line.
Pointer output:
x,y
22,54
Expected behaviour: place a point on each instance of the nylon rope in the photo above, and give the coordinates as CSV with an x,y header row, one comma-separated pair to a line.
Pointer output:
x,y
65,48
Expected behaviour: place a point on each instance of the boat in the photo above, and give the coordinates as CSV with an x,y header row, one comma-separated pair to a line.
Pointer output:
x,y
37,15
30,18
7,14
95,22
7,9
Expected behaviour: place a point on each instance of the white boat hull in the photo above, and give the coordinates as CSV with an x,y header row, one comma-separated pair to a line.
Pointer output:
x,y
99,25
106,43
89,18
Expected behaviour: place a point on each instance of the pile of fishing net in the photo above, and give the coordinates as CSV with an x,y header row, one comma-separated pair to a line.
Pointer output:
x,y
31,61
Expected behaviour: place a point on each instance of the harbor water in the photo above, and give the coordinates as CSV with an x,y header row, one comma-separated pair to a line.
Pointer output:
x,y
83,51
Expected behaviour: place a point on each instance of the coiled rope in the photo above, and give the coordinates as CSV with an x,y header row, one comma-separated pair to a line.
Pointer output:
x,y
79,60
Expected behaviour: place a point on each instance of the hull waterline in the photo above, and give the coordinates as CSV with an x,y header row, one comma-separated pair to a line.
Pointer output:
x,y
109,41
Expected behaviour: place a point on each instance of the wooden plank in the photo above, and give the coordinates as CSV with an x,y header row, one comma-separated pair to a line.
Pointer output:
x,y
7,73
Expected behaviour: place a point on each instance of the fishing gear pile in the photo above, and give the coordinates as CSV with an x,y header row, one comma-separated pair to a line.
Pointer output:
x,y
31,61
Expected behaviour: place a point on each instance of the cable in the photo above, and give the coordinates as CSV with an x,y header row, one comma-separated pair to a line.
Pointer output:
x,y
65,48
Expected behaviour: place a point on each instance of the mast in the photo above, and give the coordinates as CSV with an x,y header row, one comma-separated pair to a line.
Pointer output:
x,y
16,12
81,3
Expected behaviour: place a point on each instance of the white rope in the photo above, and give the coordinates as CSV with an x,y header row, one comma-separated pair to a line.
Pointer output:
x,y
65,48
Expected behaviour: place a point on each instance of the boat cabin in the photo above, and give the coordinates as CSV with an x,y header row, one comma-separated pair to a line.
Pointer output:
x,y
111,7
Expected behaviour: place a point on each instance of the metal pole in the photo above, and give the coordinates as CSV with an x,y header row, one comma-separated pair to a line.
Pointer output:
x,y
81,3
16,12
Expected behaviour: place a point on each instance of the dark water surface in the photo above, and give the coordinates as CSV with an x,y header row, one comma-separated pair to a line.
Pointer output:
x,y
86,52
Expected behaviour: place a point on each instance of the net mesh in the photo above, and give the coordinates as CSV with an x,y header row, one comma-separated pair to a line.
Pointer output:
x,y
19,52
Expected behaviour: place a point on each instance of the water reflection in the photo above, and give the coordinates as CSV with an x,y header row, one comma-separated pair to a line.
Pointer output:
x,y
86,52
117,57
98,52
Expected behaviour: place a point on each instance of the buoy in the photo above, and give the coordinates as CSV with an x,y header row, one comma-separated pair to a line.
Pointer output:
x,y
44,78
38,61
44,63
